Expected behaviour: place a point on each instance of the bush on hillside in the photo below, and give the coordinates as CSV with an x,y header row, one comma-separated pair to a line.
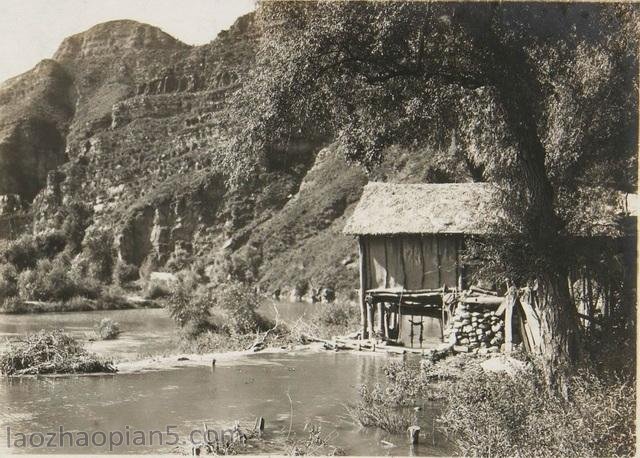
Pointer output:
x,y
51,281
97,249
124,273
179,259
25,251
156,290
499,415
244,264
8,281
77,217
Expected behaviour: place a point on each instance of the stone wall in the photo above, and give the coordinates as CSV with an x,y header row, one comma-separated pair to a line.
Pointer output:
x,y
475,329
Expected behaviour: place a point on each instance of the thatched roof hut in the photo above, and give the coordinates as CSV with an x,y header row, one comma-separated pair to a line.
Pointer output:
x,y
411,237
449,208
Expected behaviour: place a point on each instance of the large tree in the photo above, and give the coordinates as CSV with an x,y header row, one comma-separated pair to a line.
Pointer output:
x,y
540,98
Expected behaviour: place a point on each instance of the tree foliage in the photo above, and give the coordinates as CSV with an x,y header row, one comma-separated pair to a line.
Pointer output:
x,y
373,74
538,98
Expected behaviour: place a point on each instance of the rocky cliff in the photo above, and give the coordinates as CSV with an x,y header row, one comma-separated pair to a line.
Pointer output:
x,y
132,123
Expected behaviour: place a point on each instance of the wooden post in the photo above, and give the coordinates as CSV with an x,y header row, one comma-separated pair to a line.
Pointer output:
x,y
370,318
414,434
259,425
508,314
363,286
386,324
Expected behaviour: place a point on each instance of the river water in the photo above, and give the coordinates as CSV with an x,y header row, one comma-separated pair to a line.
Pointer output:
x,y
290,390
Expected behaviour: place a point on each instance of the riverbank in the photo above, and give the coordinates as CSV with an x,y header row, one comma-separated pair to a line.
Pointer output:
x,y
471,396
78,305
211,359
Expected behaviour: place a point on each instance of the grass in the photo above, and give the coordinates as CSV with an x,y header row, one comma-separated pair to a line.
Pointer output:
x,y
326,321
498,415
392,406
50,352
372,410
213,341
315,444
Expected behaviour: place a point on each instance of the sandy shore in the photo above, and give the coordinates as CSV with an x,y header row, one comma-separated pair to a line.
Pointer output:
x,y
178,361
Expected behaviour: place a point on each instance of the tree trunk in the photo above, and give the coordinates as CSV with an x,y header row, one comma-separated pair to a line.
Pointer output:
x,y
558,321
560,335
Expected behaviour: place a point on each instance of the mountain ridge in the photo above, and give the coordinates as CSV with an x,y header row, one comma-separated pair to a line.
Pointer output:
x,y
141,142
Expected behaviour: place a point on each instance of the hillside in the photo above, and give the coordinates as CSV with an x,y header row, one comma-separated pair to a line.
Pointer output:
x,y
131,124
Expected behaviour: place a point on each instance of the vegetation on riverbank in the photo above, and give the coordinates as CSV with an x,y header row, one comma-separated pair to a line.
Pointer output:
x,y
65,270
50,352
506,414
76,304
227,318
501,415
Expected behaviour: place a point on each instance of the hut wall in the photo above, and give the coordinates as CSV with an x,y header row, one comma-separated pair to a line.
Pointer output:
x,y
412,261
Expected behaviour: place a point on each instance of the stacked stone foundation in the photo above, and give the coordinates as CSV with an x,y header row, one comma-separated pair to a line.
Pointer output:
x,y
475,329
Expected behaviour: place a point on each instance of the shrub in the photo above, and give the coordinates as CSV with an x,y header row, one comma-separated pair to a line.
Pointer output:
x,y
156,291
238,304
12,305
107,329
55,280
314,444
334,314
372,409
179,259
114,297
97,247
27,284
48,352
389,406
190,310
77,217
25,251
8,281
502,415
51,281
124,272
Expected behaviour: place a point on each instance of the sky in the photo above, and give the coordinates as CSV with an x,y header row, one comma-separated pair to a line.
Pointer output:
x,y
32,30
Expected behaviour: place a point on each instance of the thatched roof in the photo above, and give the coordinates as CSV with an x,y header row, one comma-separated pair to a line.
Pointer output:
x,y
451,208
470,208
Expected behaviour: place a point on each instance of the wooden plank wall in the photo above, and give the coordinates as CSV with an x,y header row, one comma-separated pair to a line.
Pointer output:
x,y
411,261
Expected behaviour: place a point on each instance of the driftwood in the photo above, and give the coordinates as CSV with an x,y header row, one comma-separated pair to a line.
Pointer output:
x,y
258,344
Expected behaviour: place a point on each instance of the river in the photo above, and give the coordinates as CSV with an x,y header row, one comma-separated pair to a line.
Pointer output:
x,y
318,384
